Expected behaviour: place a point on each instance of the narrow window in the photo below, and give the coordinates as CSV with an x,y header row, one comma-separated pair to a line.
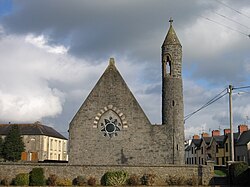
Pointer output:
x,y
168,64
177,147
173,103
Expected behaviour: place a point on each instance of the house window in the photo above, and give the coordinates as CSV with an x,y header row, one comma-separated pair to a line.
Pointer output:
x,y
55,145
195,161
192,150
217,160
192,160
226,147
59,145
202,161
223,161
217,148
51,144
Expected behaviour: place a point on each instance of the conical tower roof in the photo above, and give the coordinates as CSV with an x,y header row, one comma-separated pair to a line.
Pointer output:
x,y
171,38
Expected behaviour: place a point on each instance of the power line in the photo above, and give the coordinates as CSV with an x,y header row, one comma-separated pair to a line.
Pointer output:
x,y
241,87
214,99
233,9
226,26
231,20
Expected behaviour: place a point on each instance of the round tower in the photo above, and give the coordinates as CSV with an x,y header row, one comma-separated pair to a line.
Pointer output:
x,y
172,94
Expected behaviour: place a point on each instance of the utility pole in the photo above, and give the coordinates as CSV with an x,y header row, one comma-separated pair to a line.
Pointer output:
x,y
230,91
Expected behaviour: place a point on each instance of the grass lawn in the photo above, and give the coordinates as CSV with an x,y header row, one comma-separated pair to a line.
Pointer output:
x,y
220,173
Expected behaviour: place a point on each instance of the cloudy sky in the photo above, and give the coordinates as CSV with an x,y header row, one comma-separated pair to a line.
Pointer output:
x,y
52,52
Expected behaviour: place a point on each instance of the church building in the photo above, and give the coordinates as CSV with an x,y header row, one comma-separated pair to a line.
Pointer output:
x,y
111,128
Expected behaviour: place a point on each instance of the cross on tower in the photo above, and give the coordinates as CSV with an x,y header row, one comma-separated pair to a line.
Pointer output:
x,y
171,21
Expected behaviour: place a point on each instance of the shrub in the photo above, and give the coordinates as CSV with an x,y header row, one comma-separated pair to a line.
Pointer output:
x,y
63,182
134,180
22,179
192,181
92,181
80,181
52,180
175,180
239,173
37,177
115,178
148,179
6,181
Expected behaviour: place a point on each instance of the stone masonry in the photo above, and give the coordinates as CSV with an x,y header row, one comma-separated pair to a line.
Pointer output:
x,y
110,128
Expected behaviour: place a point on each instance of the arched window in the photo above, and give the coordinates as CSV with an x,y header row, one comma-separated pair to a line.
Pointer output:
x,y
168,65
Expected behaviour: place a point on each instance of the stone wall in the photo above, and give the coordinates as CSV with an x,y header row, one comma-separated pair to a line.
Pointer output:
x,y
202,173
134,141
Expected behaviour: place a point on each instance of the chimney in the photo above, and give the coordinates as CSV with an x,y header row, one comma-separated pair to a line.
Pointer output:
x,y
215,133
196,137
242,128
204,134
227,131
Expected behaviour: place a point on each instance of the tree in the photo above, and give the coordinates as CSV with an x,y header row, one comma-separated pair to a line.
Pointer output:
x,y
13,145
1,147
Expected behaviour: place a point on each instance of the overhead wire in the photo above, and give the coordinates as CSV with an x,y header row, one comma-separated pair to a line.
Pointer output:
x,y
214,99
226,26
225,17
226,5
241,87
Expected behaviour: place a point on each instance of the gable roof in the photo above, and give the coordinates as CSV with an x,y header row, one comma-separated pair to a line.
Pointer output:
x,y
196,142
110,89
219,140
207,140
244,138
32,129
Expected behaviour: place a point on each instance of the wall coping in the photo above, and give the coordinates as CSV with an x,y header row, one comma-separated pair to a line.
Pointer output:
x,y
117,166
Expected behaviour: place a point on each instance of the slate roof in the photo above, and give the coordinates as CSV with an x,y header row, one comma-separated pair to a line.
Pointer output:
x,y
32,129
244,138
207,140
235,135
220,140
196,142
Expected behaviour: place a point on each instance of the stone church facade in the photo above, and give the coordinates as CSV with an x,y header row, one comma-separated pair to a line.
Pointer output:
x,y
110,128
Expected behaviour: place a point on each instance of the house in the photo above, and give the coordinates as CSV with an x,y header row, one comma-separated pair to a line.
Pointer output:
x,y
203,151
41,142
218,147
242,146
192,150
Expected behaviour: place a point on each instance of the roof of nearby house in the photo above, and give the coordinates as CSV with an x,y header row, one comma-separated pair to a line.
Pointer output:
x,y
187,148
219,140
196,142
32,129
235,134
207,140
244,138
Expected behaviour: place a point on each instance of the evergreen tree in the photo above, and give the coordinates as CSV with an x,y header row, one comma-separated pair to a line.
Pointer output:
x,y
1,147
13,145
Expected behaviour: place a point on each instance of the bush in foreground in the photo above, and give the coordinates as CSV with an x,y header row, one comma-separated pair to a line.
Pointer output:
x,y
22,179
37,177
115,178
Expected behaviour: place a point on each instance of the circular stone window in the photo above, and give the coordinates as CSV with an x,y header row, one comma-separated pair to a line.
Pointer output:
x,y
110,127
